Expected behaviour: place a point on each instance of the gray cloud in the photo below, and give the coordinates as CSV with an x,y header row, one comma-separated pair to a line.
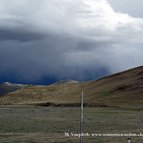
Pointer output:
x,y
67,39
23,36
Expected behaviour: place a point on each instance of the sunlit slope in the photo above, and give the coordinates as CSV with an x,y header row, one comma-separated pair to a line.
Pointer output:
x,y
62,92
121,89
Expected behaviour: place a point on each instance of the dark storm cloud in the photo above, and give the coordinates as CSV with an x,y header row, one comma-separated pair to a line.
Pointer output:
x,y
19,35
51,57
51,39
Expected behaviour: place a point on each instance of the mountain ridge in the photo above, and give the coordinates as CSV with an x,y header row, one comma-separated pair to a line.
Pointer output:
x,y
120,89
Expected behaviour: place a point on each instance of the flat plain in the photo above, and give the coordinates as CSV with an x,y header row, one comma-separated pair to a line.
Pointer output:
x,y
34,124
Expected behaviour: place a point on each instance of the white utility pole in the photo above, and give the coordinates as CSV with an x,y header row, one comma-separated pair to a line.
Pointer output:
x,y
129,140
81,119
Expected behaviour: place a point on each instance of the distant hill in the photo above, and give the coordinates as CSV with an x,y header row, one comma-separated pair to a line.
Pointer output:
x,y
121,89
65,82
8,87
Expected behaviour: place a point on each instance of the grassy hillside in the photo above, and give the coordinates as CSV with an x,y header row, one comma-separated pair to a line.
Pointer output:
x,y
121,89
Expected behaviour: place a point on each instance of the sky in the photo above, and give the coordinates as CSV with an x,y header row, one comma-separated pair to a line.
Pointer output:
x,y
45,41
